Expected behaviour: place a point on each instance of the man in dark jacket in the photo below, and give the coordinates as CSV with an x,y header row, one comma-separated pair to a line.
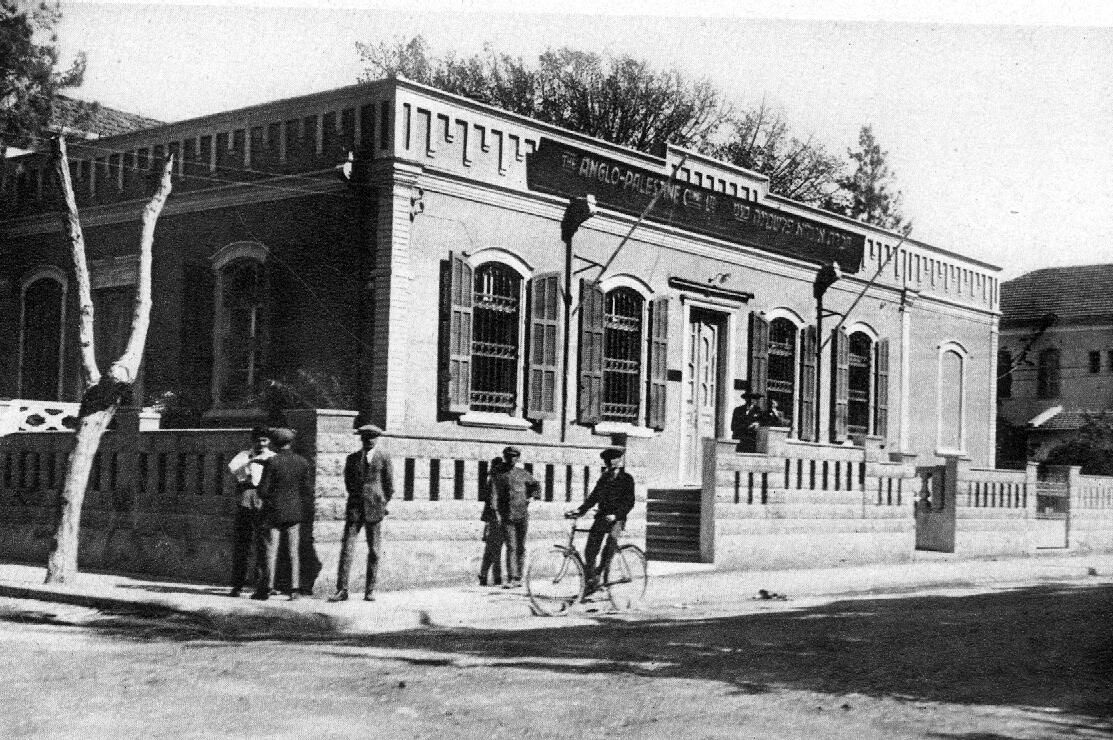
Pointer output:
x,y
513,488
369,479
614,496
286,483
492,532
745,420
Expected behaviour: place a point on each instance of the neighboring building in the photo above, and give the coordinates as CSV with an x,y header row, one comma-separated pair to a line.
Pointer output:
x,y
430,286
1055,362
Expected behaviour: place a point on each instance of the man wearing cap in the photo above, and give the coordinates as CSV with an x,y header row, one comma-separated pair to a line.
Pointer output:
x,y
286,485
614,496
745,420
247,469
513,488
369,479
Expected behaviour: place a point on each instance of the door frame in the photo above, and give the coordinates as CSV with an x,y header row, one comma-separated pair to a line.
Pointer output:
x,y
728,355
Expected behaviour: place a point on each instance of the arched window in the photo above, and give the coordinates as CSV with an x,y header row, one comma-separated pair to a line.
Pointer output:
x,y
622,355
1047,374
781,386
40,352
858,408
495,347
241,326
1004,374
951,399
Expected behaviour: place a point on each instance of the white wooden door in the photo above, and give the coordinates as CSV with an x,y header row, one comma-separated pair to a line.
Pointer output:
x,y
701,389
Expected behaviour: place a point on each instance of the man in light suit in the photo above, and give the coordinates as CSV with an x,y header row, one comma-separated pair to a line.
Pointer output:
x,y
369,479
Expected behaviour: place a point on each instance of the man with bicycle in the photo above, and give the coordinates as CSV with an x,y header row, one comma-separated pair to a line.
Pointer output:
x,y
614,496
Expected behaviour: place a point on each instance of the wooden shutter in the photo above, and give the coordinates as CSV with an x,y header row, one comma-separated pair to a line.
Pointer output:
x,y
808,380
457,391
658,363
590,405
840,398
541,396
881,381
759,354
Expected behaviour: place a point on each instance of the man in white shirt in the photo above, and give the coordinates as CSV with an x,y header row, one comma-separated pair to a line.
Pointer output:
x,y
247,468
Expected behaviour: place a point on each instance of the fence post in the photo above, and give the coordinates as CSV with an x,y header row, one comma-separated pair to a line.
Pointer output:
x,y
707,501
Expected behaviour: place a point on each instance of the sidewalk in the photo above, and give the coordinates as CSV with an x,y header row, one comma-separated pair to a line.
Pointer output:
x,y
671,586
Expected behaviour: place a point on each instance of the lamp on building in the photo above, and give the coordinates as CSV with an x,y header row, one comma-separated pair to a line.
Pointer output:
x,y
827,276
578,211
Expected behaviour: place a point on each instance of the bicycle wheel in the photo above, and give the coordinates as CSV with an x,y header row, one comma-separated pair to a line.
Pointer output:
x,y
554,580
625,579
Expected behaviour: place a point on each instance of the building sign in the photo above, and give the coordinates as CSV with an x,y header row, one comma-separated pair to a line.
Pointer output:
x,y
559,169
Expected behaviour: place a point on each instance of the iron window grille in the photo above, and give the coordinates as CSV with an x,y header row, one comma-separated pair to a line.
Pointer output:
x,y
622,354
781,382
495,346
858,408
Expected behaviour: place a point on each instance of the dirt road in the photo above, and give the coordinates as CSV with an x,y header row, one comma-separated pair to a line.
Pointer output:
x,y
1034,662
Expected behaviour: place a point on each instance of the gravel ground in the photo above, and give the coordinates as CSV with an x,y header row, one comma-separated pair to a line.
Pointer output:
x,y
1019,662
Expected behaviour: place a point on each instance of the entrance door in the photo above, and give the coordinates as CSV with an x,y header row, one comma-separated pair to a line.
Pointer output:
x,y
701,389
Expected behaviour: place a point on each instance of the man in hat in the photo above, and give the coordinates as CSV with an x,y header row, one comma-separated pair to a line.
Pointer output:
x,y
745,420
492,531
369,479
513,488
247,470
613,496
286,485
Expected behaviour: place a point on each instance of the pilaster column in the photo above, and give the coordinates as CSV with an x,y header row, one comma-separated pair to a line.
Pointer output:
x,y
387,292
907,300
991,411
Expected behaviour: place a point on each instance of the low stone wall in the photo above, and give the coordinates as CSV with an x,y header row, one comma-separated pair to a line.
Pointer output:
x,y
798,505
1091,511
995,511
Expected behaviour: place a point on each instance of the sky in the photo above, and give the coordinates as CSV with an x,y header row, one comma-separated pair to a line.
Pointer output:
x,y
998,119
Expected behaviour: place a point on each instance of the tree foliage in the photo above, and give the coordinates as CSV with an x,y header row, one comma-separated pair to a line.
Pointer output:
x,y
1090,447
866,194
29,73
760,139
618,99
626,101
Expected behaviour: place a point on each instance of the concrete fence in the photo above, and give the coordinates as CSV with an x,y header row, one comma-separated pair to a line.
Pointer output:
x,y
161,502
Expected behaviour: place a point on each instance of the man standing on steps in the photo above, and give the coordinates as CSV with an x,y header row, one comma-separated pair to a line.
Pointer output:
x,y
247,468
286,484
614,496
369,479
512,488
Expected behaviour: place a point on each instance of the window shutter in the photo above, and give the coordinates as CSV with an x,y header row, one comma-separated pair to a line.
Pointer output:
x,y
807,385
881,410
457,387
590,407
759,354
544,341
658,363
840,355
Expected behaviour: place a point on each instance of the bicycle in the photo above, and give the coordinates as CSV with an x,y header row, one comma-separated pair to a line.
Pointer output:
x,y
555,578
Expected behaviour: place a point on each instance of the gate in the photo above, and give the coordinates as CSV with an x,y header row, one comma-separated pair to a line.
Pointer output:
x,y
935,508
1051,528
673,524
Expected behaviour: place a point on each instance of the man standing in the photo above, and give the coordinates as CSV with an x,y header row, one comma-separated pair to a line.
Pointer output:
x,y
513,488
285,485
247,468
492,532
745,420
369,479
614,496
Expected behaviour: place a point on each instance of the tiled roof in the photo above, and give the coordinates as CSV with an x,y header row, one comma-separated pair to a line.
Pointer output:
x,y
1068,421
94,118
1071,293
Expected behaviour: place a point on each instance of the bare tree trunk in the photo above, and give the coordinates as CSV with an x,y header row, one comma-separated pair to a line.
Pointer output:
x,y
102,395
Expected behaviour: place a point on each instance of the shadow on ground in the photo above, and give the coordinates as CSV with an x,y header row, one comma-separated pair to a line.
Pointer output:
x,y
1048,646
